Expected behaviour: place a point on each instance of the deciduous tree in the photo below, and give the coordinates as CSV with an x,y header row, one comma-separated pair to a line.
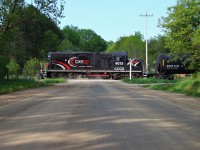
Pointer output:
x,y
71,38
133,44
91,42
182,29
23,27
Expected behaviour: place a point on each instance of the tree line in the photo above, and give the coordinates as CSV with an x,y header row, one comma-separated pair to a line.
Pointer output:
x,y
29,31
26,31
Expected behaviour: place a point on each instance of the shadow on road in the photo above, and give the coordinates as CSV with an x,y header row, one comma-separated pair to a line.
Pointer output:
x,y
100,117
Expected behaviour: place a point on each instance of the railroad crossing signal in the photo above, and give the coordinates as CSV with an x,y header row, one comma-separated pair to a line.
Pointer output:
x,y
130,64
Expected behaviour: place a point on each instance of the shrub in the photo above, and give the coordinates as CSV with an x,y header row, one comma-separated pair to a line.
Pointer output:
x,y
13,68
31,67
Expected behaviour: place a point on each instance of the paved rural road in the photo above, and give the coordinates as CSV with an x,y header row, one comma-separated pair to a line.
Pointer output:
x,y
99,115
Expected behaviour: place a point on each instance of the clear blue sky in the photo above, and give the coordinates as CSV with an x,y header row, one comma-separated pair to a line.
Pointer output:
x,y
112,19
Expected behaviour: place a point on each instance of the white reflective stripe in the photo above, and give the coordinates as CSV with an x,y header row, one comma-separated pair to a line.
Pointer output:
x,y
60,66
136,63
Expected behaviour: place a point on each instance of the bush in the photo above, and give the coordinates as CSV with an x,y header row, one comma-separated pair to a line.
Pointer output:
x,y
13,68
31,67
195,75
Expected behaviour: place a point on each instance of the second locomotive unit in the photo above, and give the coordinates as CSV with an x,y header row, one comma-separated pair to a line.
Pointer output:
x,y
113,65
167,66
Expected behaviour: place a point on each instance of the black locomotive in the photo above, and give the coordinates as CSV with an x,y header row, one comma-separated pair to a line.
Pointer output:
x,y
113,65
167,65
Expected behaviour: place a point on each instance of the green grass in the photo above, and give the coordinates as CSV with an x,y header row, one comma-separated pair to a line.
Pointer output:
x,y
190,87
54,81
7,86
147,80
187,86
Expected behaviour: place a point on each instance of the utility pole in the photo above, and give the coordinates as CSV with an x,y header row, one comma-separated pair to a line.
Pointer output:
x,y
147,64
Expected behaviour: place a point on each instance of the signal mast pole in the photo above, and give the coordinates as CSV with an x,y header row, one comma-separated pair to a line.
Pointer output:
x,y
147,64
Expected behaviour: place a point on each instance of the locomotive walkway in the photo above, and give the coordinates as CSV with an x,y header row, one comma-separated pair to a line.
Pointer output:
x,y
98,115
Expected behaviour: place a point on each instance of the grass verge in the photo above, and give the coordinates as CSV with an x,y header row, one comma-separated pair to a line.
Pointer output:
x,y
54,81
190,87
148,80
7,86
187,86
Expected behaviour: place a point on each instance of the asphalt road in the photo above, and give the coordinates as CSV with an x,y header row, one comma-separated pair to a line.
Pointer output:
x,y
99,115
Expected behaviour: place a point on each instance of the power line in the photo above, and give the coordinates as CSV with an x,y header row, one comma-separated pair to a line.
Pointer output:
x,y
147,64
